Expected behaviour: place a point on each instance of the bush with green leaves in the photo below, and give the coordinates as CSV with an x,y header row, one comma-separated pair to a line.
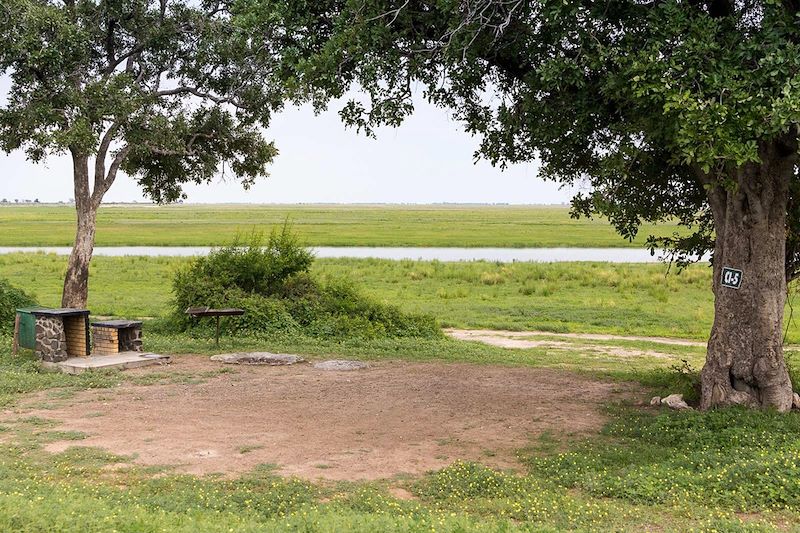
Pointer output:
x,y
272,282
239,270
10,299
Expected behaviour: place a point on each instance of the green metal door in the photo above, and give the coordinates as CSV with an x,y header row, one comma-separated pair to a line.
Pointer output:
x,y
27,327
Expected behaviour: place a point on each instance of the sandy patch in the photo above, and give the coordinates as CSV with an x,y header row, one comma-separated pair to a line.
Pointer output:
x,y
522,340
470,334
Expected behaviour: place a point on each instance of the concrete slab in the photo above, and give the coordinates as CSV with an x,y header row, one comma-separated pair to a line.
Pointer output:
x,y
120,361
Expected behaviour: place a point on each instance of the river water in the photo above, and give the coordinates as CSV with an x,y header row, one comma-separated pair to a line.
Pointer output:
x,y
505,255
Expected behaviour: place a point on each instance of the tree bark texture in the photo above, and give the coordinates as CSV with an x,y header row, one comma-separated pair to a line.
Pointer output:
x,y
745,363
76,281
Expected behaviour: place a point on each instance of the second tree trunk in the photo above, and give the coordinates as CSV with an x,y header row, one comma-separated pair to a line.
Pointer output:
x,y
745,363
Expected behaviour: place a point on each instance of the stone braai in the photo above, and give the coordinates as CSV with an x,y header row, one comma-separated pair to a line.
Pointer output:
x,y
115,336
51,341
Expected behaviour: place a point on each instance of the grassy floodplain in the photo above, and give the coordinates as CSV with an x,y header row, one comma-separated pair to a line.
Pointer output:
x,y
634,299
578,297
319,225
726,471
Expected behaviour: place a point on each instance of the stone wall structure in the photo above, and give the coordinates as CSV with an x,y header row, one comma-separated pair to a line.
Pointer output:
x,y
51,341
61,334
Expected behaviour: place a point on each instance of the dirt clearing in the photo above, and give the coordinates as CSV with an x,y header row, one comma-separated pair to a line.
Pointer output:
x,y
388,419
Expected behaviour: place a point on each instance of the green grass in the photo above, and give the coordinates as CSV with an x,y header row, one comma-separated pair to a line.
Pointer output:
x,y
732,459
560,297
20,375
140,287
134,286
319,225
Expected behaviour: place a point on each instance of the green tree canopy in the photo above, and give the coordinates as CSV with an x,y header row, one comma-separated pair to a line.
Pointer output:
x,y
170,91
661,109
635,99
170,88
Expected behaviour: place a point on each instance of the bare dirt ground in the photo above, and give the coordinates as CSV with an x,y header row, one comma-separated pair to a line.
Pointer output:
x,y
389,419
476,334
544,339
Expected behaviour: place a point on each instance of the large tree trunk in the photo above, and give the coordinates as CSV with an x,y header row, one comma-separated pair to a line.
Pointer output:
x,y
76,281
745,363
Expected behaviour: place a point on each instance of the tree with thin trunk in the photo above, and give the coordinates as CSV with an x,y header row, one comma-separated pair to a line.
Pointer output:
x,y
661,110
167,91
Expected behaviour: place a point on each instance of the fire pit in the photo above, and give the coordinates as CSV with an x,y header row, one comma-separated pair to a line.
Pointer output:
x,y
115,336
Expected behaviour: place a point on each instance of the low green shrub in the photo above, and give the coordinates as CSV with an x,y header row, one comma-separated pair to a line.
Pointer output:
x,y
271,282
10,299
240,269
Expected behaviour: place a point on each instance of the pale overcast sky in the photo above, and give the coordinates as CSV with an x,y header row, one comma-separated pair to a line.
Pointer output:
x,y
427,160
